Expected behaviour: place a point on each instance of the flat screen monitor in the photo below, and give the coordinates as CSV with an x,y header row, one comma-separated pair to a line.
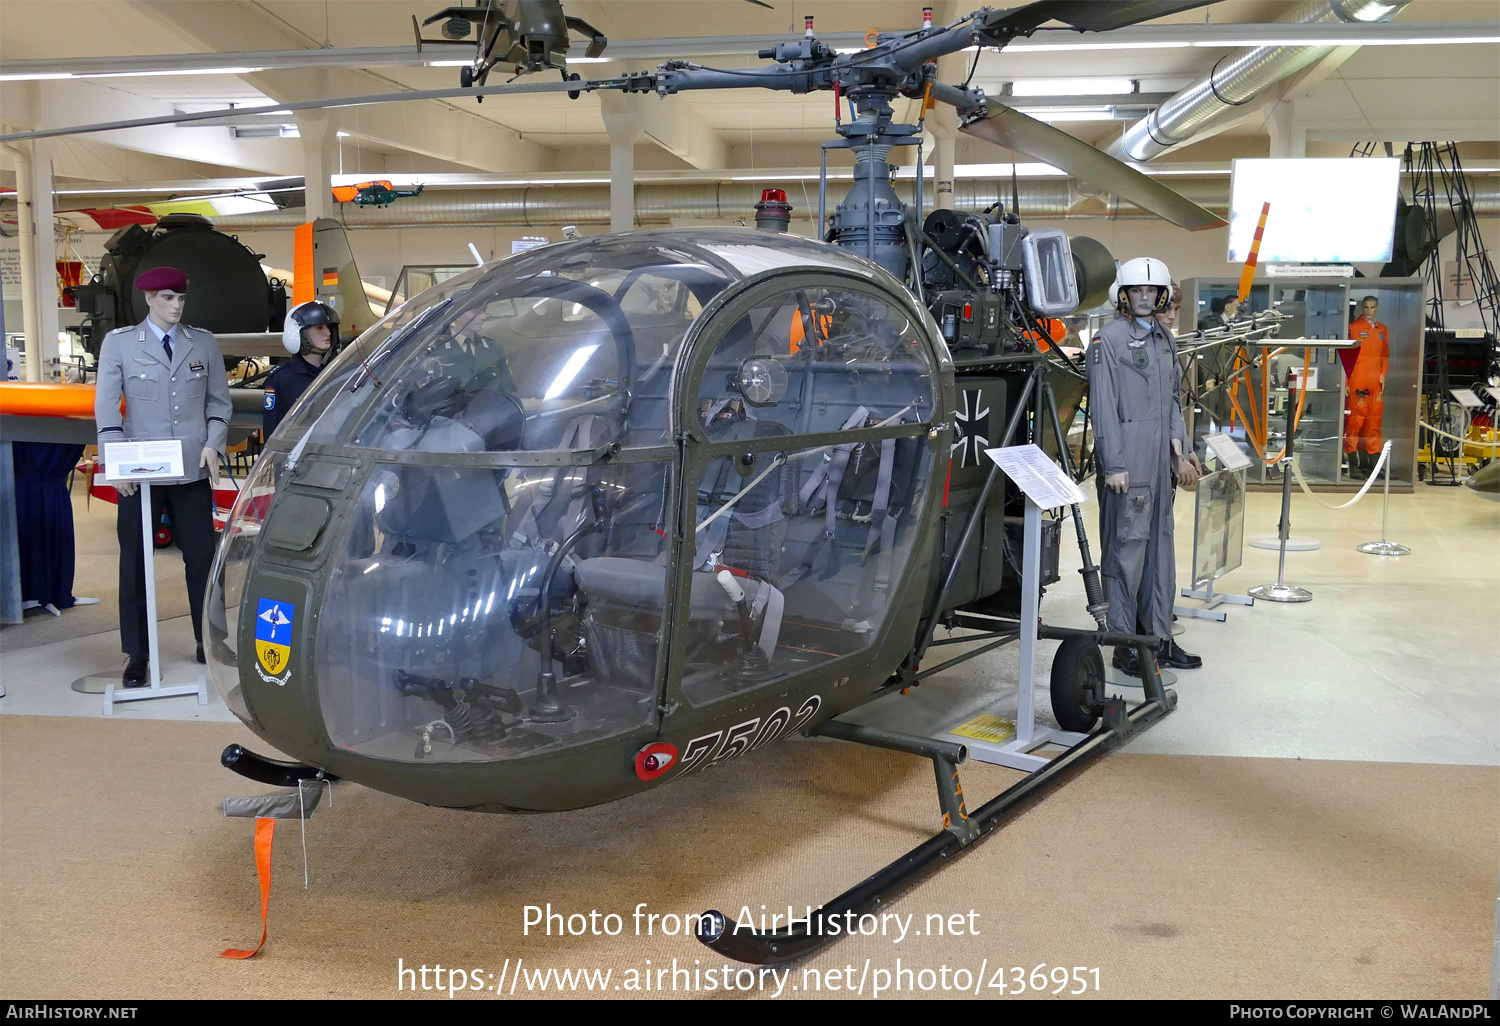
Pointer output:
x,y
1323,209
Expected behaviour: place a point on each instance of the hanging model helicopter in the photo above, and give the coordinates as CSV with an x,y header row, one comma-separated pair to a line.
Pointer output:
x,y
527,35
580,522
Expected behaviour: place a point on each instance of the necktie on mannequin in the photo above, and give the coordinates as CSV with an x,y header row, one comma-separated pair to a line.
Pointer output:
x,y
166,343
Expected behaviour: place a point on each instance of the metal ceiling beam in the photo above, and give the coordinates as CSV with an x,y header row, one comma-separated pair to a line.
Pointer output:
x,y
1134,37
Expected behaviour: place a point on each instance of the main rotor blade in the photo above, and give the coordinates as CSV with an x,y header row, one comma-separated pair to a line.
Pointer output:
x,y
1016,131
457,93
1090,15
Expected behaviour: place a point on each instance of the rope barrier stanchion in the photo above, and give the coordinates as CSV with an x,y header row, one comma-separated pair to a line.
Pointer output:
x,y
1384,460
1383,547
1281,591
1476,442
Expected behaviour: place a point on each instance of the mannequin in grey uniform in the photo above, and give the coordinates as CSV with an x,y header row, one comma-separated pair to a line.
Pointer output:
x,y
171,378
1142,453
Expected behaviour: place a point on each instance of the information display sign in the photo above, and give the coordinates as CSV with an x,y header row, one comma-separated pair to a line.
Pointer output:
x,y
156,461
1218,525
1033,471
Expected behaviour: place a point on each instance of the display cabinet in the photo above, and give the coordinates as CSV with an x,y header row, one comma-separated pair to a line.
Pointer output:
x,y
1312,308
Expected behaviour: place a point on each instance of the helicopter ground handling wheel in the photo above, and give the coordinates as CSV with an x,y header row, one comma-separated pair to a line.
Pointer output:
x,y
1078,684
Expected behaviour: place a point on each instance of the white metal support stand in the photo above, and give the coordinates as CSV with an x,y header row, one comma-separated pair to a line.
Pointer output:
x,y
114,693
1383,547
1017,753
1211,600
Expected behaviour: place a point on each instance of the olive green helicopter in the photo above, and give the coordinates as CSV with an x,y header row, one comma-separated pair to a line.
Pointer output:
x,y
580,522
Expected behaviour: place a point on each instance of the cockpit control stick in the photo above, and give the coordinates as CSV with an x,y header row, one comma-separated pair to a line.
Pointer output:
x,y
754,666
546,708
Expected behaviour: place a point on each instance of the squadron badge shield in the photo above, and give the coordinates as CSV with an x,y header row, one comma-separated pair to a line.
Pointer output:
x,y
273,640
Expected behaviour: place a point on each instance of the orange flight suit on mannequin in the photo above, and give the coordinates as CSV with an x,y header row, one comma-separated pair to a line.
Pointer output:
x,y
1366,386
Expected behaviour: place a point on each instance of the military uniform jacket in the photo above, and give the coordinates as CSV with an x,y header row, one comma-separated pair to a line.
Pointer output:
x,y
185,398
1134,382
284,387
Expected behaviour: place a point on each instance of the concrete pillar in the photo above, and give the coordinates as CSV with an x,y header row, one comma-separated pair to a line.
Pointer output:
x,y
38,253
942,160
320,160
45,263
26,229
1288,135
622,119
943,121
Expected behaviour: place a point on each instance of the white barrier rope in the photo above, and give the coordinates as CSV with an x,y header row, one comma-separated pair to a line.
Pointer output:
x,y
1456,438
1385,452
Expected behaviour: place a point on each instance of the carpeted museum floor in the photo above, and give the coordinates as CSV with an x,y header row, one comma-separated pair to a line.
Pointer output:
x,y
1175,876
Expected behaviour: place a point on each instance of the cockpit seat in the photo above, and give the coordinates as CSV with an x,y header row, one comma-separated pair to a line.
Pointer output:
x,y
641,585
625,599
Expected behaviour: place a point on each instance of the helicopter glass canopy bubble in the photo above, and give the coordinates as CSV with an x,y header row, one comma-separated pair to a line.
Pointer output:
x,y
485,520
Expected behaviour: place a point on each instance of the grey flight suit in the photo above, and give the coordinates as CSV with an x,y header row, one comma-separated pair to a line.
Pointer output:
x,y
1134,384
187,398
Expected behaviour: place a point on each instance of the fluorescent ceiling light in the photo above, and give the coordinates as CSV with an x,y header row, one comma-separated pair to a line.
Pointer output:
x,y
1028,169
785,178
1035,45
448,64
167,71
1071,86
230,205
1022,170
1052,114
1413,41
44,76
343,135
409,180
589,60
1139,45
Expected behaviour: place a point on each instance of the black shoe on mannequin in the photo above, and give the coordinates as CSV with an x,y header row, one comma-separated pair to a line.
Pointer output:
x,y
1125,659
136,671
1177,659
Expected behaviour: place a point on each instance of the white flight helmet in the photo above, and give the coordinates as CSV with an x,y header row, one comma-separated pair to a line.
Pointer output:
x,y
304,315
1143,271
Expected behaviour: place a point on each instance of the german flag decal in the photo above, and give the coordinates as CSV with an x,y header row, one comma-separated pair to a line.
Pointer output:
x,y
273,637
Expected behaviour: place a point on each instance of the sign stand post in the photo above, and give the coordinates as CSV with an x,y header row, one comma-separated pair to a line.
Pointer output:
x,y
1039,479
142,463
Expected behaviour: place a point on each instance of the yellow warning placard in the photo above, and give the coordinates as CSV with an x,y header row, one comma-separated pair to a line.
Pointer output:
x,y
985,727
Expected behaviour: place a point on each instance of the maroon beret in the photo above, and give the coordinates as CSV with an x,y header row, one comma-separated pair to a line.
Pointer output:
x,y
162,278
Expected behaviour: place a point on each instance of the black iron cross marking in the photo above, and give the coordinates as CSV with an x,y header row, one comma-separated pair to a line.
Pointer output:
x,y
972,425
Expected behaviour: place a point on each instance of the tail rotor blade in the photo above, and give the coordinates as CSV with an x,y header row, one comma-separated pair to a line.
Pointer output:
x,y
1247,275
1016,131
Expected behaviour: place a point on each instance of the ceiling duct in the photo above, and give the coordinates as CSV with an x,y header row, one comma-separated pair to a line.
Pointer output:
x,y
1239,77
660,203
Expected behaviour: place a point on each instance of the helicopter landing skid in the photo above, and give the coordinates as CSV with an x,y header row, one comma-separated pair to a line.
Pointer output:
x,y
962,830
274,772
